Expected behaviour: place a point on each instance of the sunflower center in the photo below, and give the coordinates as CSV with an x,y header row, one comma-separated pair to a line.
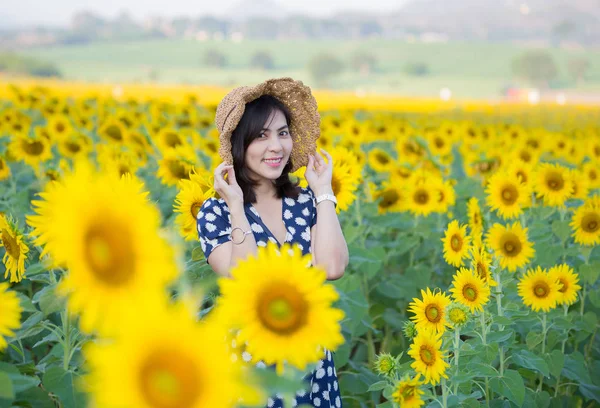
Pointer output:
x,y
432,312
525,156
565,285
470,292
33,147
421,197
212,147
282,309
114,132
592,175
509,194
541,289
554,181
73,147
522,175
457,316
169,379
482,271
10,244
512,246
408,391
427,355
178,170
382,158
195,208
590,222
456,242
109,253
172,139
389,198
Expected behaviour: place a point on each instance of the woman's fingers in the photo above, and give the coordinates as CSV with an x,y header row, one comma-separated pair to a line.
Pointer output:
x,y
231,176
329,158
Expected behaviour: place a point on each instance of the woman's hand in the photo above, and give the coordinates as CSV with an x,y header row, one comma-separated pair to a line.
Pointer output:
x,y
229,189
318,173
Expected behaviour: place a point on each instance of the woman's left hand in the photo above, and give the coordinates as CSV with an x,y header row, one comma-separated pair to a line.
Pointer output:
x,y
318,173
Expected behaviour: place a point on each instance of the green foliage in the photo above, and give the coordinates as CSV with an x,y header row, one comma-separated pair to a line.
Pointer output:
x,y
214,58
536,66
416,69
322,67
17,64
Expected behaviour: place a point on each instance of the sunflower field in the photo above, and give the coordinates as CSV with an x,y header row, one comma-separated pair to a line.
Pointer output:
x,y
473,230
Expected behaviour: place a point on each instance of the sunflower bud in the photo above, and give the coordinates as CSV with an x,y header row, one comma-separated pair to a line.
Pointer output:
x,y
386,364
410,330
458,314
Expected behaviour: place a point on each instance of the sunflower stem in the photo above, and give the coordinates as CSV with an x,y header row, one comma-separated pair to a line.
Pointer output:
x,y
543,348
583,293
456,355
67,336
483,328
444,393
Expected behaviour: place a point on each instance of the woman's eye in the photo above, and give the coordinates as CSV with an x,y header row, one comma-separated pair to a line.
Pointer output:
x,y
284,133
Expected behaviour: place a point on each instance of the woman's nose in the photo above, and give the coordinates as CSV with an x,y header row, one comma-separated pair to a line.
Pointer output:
x,y
275,144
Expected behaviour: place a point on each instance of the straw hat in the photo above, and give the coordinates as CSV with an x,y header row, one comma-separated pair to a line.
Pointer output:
x,y
305,127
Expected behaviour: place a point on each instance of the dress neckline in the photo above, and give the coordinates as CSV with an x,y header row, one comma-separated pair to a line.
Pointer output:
x,y
259,219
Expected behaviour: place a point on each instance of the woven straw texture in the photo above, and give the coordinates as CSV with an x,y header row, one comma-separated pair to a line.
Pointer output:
x,y
305,127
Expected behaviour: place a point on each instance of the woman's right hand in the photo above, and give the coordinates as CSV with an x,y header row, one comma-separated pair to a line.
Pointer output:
x,y
229,189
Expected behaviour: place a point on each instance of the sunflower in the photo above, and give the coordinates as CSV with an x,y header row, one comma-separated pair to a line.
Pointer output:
x,y
282,308
446,196
59,127
407,393
538,290
391,197
298,175
521,171
581,185
162,359
113,130
591,170
189,200
176,165
481,264
75,145
506,195
428,356
10,318
169,138
456,243
470,290
16,249
344,186
422,198
105,232
117,159
553,183
430,312
380,160
586,225
344,157
510,245
385,364
475,220
31,150
563,274
4,169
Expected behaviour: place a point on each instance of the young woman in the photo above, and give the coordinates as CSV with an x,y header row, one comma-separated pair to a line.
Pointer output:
x,y
259,204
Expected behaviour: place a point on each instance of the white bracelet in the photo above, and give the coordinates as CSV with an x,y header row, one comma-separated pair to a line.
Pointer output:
x,y
329,197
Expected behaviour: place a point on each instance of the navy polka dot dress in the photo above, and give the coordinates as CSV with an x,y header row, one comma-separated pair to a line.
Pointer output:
x,y
299,215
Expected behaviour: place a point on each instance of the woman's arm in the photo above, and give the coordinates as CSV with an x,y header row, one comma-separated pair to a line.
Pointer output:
x,y
328,244
329,247
226,256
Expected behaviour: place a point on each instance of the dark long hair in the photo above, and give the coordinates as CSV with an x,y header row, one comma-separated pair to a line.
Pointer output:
x,y
256,113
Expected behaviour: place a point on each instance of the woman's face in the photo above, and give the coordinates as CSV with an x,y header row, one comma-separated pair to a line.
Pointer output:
x,y
267,155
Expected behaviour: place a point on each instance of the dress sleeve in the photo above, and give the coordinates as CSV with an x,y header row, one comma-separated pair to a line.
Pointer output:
x,y
312,205
214,225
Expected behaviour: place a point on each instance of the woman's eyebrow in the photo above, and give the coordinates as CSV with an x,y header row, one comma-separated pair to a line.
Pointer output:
x,y
279,130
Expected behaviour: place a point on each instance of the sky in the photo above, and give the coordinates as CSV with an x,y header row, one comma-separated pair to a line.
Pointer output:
x,y
31,12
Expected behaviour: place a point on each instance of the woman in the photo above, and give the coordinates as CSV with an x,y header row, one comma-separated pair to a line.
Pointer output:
x,y
265,134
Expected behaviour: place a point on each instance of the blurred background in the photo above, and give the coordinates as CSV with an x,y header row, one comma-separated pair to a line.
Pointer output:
x,y
459,49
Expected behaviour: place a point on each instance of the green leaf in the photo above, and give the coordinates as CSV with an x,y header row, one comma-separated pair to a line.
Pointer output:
x,y
386,404
62,383
482,370
499,336
590,273
25,303
379,385
6,387
561,229
49,301
511,386
575,368
556,362
36,398
368,261
197,254
533,339
527,359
